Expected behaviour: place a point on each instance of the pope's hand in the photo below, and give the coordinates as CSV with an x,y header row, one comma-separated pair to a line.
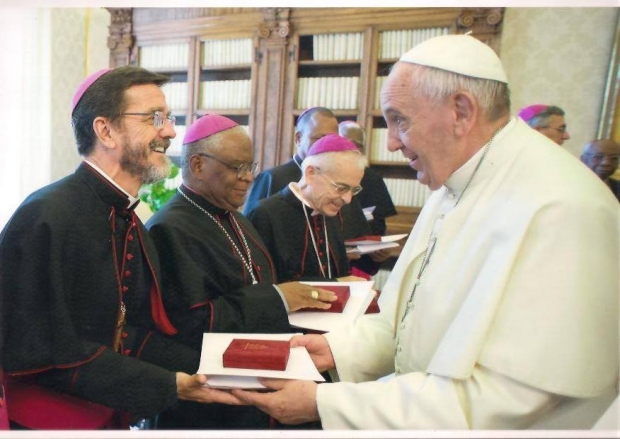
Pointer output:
x,y
192,388
292,402
318,348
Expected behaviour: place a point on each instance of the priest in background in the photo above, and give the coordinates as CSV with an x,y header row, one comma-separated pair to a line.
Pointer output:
x,y
375,194
602,157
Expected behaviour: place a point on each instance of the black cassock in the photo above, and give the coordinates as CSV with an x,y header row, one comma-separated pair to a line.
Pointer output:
x,y
281,222
208,288
69,257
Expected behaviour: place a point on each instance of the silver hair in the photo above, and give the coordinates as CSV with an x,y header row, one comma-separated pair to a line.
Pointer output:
x,y
327,160
208,144
541,120
493,96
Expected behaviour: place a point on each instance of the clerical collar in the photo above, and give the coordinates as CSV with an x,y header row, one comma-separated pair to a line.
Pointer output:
x,y
459,179
296,190
132,200
297,160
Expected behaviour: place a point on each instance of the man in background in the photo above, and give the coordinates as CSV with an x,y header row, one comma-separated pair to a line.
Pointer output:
x,y
602,157
375,193
313,124
502,309
86,336
548,120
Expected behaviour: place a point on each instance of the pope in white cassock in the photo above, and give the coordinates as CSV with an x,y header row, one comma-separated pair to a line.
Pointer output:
x,y
502,310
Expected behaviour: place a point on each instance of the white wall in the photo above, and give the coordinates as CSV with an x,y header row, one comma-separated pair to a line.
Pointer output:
x,y
79,45
560,56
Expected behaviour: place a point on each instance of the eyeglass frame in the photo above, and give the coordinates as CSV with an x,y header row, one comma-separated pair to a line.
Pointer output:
x,y
159,118
242,170
341,188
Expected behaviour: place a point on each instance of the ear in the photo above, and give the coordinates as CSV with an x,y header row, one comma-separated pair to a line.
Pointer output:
x,y
196,166
466,113
104,131
297,138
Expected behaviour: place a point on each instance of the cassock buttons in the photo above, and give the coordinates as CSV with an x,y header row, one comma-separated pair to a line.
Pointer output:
x,y
130,238
125,288
127,273
129,256
127,352
124,335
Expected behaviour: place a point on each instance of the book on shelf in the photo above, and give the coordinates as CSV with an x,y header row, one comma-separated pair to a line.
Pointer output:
x,y
337,47
407,192
226,94
227,52
164,56
393,43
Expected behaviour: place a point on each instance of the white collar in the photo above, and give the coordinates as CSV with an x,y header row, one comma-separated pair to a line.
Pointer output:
x,y
132,200
296,190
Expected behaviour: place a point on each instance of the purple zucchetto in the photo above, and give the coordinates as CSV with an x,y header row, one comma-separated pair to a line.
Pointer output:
x,y
529,113
84,85
331,143
206,126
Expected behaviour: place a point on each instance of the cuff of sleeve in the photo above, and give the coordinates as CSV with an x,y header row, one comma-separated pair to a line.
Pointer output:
x,y
282,297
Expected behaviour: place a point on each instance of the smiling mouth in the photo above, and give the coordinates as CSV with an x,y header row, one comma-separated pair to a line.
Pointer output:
x,y
159,148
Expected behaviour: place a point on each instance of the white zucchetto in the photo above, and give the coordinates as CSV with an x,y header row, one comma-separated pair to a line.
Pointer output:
x,y
460,54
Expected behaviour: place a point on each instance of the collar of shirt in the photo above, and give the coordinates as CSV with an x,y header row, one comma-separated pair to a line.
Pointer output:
x,y
456,183
296,190
132,200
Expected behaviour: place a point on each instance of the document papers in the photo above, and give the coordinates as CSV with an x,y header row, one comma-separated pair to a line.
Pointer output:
x,y
369,244
361,296
299,366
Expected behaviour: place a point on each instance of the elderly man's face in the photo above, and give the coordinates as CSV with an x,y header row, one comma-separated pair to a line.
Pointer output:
x,y
144,145
602,157
555,129
321,185
419,128
220,183
318,127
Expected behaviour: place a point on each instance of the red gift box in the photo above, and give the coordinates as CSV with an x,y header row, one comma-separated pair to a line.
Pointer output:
x,y
373,308
363,239
343,292
247,353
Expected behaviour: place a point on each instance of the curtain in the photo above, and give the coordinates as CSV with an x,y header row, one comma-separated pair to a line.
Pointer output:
x,y
25,113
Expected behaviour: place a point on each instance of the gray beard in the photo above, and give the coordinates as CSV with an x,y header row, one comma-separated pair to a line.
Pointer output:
x,y
132,160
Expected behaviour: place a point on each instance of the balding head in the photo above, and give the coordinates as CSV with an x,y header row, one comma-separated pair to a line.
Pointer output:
x,y
312,125
602,157
355,133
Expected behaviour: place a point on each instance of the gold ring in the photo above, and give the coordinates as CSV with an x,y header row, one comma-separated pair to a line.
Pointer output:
x,y
314,294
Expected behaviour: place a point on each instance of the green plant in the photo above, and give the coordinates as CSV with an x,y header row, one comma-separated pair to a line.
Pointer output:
x,y
156,195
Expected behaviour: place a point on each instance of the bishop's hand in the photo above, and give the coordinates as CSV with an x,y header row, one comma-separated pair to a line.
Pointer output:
x,y
300,296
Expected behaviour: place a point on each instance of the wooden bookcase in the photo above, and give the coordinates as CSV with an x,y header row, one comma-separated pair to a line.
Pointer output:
x,y
291,58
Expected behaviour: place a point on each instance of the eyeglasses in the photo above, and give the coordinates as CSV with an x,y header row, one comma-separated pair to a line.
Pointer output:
x,y
242,170
159,117
601,157
341,188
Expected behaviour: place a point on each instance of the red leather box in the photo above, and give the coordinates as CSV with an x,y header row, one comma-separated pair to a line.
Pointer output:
x,y
342,291
373,308
247,353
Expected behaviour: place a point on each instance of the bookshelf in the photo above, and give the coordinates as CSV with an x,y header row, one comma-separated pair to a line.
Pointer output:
x,y
263,66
